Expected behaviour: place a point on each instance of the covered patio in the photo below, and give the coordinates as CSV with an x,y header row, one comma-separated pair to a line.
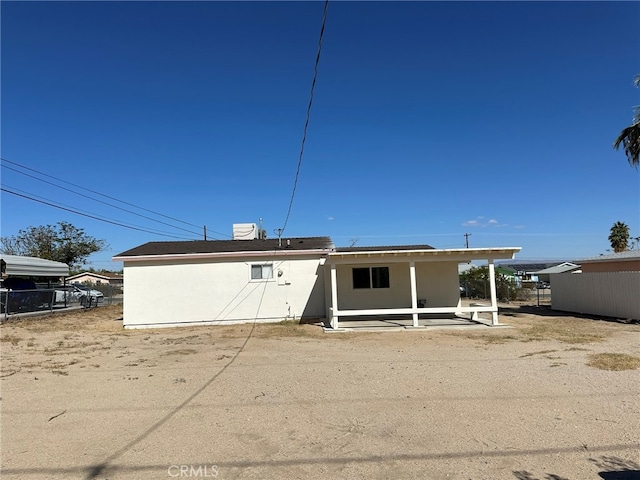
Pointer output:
x,y
406,286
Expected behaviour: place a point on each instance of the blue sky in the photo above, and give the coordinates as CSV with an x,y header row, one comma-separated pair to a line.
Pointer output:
x,y
430,120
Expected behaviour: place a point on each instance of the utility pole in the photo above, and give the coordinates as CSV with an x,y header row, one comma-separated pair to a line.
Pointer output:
x,y
466,239
205,232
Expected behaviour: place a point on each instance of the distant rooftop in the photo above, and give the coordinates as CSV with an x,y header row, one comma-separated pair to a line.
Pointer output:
x,y
530,265
562,268
621,256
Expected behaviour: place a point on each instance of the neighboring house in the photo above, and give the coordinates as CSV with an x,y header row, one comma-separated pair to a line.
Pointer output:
x,y
270,280
627,261
107,278
527,270
544,275
508,272
607,286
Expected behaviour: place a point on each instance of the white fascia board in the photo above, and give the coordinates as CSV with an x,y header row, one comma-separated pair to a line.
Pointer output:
x,y
457,254
201,256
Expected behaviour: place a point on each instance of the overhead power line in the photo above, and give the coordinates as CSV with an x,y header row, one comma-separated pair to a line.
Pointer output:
x,y
105,196
29,195
306,123
98,193
131,227
99,201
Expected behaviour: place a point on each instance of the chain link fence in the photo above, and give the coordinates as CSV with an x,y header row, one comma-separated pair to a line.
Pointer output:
x,y
476,286
13,302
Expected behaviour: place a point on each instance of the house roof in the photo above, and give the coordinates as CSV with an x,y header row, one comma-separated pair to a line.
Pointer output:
x,y
302,246
626,256
220,247
562,268
103,275
33,266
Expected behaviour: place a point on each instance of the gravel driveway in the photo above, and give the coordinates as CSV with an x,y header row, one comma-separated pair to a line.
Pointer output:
x,y
83,398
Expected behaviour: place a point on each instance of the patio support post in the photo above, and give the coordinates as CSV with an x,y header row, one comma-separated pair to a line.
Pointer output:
x,y
414,295
492,286
334,297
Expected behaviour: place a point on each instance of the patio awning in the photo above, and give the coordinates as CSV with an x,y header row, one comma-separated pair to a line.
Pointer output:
x,y
387,254
17,265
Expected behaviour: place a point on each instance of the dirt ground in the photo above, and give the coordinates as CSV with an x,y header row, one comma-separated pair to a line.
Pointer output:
x,y
83,398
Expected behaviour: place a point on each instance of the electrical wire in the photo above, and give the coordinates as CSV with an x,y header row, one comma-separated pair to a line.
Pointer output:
x,y
86,214
105,196
99,201
97,193
306,123
293,192
39,197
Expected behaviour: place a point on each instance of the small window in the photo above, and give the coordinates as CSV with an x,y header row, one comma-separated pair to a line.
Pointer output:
x,y
261,272
374,277
361,278
380,277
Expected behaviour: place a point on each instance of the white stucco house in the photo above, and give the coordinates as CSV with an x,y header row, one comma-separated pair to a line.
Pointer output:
x,y
95,278
213,282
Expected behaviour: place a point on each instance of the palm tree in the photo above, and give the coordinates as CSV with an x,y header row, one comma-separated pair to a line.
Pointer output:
x,y
630,136
619,237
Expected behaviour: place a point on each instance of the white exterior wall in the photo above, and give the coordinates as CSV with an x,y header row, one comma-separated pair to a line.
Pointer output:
x,y
610,294
436,282
170,293
397,296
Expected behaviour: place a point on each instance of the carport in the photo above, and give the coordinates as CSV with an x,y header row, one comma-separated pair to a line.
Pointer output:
x,y
417,282
19,266
20,276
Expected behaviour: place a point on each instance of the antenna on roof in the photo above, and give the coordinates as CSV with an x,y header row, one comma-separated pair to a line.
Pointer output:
x,y
279,232
205,232
262,233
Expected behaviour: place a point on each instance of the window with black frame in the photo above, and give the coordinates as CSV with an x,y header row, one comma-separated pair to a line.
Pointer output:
x,y
370,277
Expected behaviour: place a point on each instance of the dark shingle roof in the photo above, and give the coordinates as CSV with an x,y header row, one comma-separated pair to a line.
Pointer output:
x,y
383,249
229,246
